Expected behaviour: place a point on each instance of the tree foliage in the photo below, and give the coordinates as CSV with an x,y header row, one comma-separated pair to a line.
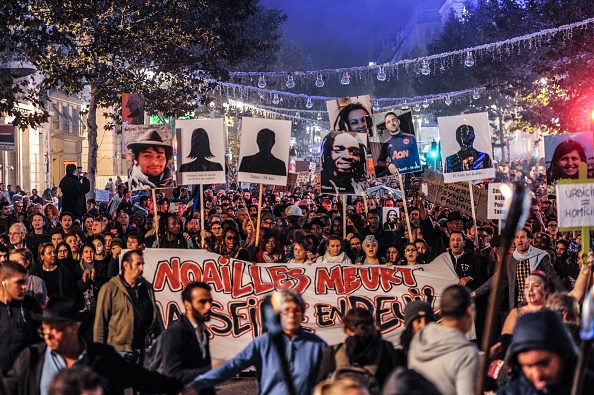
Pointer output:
x,y
168,50
535,87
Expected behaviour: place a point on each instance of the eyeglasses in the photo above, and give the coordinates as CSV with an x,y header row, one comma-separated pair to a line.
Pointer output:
x,y
215,228
291,311
15,233
231,237
410,250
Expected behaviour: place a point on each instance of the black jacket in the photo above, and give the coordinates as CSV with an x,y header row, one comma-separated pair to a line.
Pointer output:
x,y
182,356
19,321
73,194
25,376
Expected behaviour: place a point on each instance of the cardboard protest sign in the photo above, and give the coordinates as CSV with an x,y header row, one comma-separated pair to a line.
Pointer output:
x,y
390,217
102,195
350,114
201,151
466,147
575,204
132,109
456,196
496,205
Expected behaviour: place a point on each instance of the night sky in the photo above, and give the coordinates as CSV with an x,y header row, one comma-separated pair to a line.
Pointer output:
x,y
342,33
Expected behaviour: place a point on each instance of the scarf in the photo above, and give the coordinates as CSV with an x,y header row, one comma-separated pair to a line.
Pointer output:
x,y
533,255
138,179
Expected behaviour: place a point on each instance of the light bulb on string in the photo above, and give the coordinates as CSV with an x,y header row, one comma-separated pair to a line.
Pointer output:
x,y
309,103
425,103
275,99
476,95
381,74
319,116
320,81
469,60
405,105
262,82
425,69
297,115
376,106
346,79
417,107
290,82
448,100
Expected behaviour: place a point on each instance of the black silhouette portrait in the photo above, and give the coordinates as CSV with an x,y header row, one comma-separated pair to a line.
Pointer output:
x,y
264,162
467,158
200,152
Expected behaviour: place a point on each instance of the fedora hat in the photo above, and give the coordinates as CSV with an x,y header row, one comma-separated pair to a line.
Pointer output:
x,y
455,216
61,309
150,137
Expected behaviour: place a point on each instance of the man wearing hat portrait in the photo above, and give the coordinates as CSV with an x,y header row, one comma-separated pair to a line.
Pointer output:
x,y
63,348
150,158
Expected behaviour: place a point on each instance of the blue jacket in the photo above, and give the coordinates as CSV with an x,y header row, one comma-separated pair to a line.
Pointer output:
x,y
304,353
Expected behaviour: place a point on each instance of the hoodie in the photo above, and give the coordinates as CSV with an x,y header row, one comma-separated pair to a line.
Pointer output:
x,y
541,330
446,358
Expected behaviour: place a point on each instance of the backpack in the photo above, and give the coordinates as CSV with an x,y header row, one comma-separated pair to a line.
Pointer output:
x,y
364,375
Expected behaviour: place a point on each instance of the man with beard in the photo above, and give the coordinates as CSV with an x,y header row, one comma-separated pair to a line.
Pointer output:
x,y
186,352
399,152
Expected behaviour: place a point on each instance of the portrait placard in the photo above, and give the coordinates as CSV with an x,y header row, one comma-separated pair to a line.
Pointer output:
x,y
200,151
466,147
390,218
149,156
264,151
395,137
132,109
565,152
350,114
343,163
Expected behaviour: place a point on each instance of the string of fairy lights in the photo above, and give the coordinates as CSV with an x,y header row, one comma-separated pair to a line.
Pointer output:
x,y
253,89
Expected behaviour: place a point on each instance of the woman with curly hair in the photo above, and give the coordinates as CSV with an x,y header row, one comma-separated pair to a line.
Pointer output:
x,y
270,249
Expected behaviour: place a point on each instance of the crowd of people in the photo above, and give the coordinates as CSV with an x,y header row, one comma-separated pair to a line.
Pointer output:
x,y
63,278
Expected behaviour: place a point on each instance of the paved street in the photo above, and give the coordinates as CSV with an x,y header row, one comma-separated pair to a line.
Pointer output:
x,y
242,385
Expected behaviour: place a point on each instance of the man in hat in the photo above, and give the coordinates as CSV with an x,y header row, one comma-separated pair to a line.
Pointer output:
x,y
150,156
74,187
63,348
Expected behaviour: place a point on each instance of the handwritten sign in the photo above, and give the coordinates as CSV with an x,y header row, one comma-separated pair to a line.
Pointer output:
x,y
575,204
496,207
455,196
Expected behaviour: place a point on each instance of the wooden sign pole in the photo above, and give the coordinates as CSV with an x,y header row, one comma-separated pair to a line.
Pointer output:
x,y
471,190
202,216
259,215
410,236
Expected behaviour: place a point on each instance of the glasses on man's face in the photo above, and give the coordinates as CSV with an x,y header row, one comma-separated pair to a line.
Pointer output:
x,y
287,312
15,233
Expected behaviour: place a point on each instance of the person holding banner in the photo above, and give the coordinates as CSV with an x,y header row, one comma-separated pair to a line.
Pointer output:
x,y
302,348
370,246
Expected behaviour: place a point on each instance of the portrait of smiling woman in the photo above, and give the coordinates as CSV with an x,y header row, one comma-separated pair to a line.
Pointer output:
x,y
566,160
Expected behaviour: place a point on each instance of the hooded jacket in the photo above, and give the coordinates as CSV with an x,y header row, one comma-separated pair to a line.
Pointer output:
x,y
446,358
541,330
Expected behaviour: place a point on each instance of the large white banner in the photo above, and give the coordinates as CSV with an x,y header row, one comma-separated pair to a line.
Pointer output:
x,y
329,290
